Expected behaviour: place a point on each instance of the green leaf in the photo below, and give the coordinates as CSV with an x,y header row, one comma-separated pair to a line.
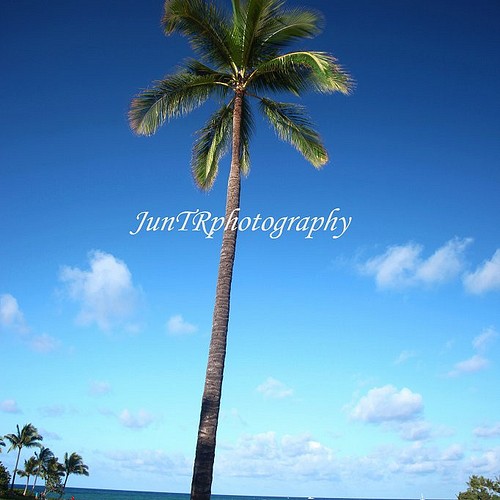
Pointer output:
x,y
293,126
247,126
304,70
205,26
171,97
212,143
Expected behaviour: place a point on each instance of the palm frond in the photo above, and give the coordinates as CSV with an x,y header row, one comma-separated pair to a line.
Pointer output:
x,y
205,26
301,71
171,97
288,27
247,126
212,143
293,125
255,17
198,68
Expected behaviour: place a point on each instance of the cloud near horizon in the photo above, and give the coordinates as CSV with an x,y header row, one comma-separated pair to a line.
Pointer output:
x,y
265,455
105,292
487,431
402,266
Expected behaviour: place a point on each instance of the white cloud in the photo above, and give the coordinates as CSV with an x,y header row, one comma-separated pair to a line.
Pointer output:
x,y
415,430
138,421
274,389
176,325
10,406
395,267
486,277
386,404
403,266
404,356
44,343
105,292
150,461
487,463
10,314
54,411
487,431
474,364
445,264
99,388
477,362
484,339
264,455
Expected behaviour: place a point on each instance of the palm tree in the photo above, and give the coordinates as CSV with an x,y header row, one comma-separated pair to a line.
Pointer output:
x,y
2,443
42,459
242,58
27,437
30,468
73,464
52,472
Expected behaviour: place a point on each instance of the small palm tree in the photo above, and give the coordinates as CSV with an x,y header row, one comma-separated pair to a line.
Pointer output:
x,y
242,58
27,437
73,464
30,469
52,472
42,459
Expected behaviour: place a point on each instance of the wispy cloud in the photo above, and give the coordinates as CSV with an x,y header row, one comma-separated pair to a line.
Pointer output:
x,y
176,325
155,462
471,365
404,356
487,431
486,277
10,406
54,411
44,343
274,389
403,266
140,420
11,316
105,292
99,388
478,361
482,341
387,404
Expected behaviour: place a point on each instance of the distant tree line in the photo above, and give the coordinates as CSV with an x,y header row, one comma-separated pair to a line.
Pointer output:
x,y
481,488
43,464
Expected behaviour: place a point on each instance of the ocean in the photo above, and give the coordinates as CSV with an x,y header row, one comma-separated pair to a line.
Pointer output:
x,y
96,494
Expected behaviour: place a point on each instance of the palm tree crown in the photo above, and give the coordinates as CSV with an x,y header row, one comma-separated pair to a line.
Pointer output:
x,y
30,468
73,464
43,457
241,55
26,437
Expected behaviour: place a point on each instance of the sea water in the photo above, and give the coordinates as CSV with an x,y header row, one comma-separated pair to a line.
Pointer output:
x,y
96,494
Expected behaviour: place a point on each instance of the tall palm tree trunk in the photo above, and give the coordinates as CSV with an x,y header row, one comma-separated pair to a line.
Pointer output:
x,y
205,447
15,469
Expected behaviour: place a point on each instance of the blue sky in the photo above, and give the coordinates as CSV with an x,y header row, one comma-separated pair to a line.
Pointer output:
x,y
362,366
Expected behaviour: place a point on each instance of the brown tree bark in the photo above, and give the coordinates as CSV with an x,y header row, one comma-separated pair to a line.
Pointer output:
x,y
201,485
